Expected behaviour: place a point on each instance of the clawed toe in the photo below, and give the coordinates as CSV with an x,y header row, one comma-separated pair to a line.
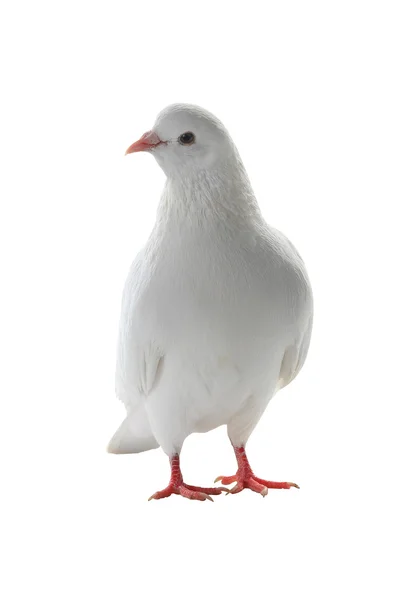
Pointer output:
x,y
277,485
214,491
191,492
226,480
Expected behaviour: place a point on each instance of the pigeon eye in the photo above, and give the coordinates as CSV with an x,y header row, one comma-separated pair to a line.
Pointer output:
x,y
186,138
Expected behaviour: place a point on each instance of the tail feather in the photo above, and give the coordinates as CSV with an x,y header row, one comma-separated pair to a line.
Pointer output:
x,y
134,435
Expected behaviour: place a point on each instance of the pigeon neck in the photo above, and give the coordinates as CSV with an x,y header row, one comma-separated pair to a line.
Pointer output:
x,y
220,193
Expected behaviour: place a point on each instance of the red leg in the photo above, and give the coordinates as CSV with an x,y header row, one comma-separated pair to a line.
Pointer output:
x,y
245,478
177,486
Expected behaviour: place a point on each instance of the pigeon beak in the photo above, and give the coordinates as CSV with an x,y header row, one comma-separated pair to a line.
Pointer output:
x,y
148,141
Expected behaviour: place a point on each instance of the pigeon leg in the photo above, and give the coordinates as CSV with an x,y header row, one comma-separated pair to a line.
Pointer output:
x,y
245,478
177,486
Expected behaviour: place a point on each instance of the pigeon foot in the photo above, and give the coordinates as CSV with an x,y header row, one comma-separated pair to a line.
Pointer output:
x,y
192,492
178,487
254,483
245,478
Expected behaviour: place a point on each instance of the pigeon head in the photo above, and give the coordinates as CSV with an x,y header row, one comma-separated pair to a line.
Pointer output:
x,y
186,139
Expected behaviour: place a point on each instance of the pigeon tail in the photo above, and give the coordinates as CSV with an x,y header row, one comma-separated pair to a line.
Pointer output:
x,y
134,435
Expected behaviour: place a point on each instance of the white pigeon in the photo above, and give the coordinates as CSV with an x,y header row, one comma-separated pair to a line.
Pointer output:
x,y
217,309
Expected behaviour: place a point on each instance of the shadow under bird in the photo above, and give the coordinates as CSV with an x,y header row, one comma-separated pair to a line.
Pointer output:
x,y
217,308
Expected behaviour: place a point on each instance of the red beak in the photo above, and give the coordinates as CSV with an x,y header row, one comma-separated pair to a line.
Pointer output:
x,y
148,141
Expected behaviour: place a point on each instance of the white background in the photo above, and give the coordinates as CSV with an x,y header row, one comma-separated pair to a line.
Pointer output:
x,y
310,94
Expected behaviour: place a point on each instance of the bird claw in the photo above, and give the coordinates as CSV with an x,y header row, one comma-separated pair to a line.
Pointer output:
x,y
251,482
188,491
226,480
